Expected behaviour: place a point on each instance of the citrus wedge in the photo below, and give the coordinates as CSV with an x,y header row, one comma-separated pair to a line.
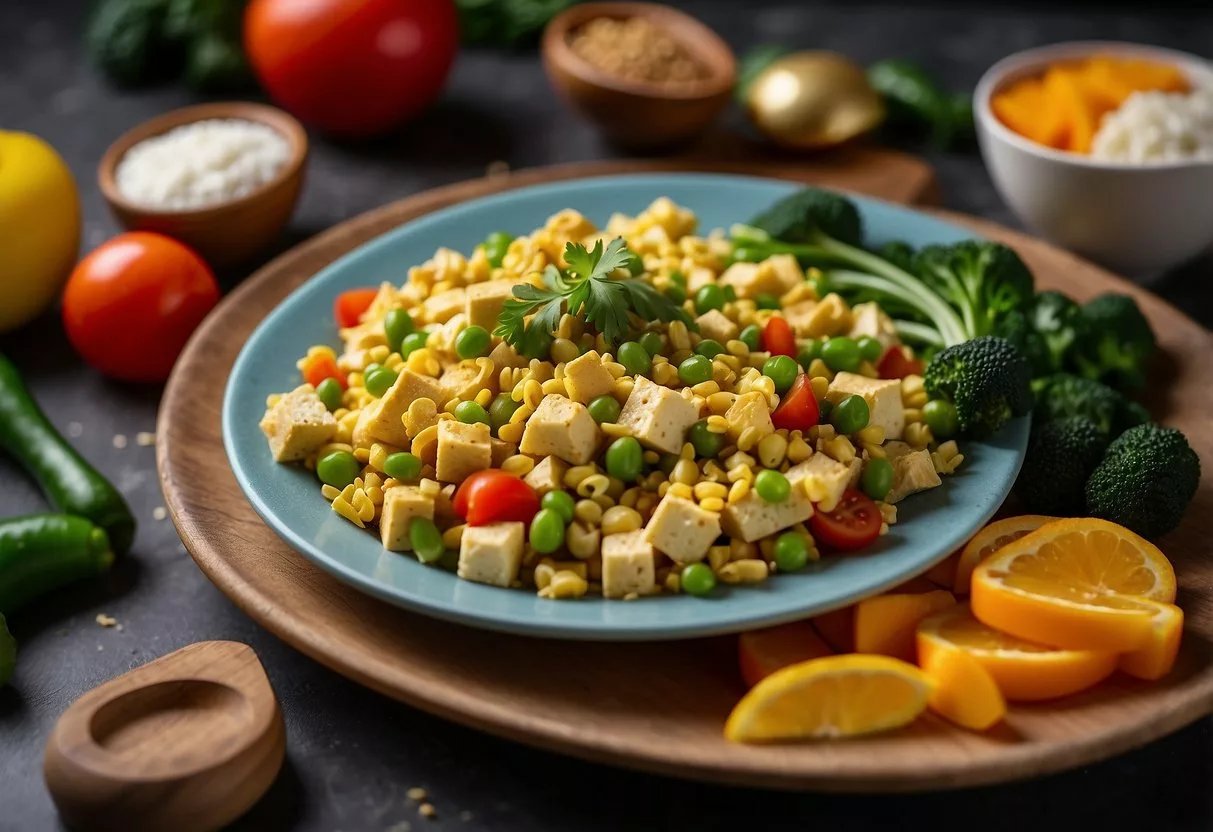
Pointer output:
x,y
886,624
762,652
988,541
1083,584
965,692
1023,671
838,627
1157,657
835,696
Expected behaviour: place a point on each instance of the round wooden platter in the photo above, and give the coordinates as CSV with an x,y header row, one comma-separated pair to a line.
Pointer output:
x,y
661,707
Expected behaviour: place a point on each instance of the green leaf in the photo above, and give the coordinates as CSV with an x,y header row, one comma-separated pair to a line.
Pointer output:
x,y
607,308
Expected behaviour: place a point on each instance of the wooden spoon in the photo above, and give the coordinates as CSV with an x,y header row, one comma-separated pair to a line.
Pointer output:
x,y
187,742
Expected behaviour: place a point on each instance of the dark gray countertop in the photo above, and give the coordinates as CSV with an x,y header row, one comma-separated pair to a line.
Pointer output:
x,y
353,754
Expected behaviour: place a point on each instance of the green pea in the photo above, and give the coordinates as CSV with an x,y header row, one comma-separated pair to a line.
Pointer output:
x,y
781,370
676,293
708,298
370,368
679,278
730,294
604,409
635,264
413,341
850,415
941,418
473,342
495,247
634,358
547,531
396,324
741,254
426,540
501,410
751,336
706,443
791,552
695,369
709,348
651,342
472,412
841,354
561,503
378,380
625,459
338,469
766,301
698,579
869,348
877,478
809,352
329,392
772,486
402,466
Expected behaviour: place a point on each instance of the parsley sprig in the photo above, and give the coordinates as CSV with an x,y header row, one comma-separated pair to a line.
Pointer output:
x,y
588,283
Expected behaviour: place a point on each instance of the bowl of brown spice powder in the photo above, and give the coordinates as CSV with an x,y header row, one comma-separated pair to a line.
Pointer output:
x,y
647,75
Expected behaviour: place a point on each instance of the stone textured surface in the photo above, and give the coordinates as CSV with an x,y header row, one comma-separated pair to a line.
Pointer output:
x,y
352,754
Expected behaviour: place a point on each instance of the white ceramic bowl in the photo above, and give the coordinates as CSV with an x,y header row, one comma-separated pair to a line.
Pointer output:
x,y
1136,219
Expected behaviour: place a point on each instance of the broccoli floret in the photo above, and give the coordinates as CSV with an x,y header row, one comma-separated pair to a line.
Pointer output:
x,y
1130,415
982,280
989,381
1016,328
1060,324
1061,456
126,39
1146,480
899,253
810,213
1061,395
1117,342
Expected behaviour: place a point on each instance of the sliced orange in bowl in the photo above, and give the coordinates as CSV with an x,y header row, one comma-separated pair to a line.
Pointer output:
x,y
1023,671
835,696
988,541
1083,584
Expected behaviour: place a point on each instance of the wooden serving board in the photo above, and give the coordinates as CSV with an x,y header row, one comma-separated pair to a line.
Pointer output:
x,y
655,706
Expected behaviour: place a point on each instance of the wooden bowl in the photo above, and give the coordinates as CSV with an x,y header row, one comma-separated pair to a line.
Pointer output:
x,y
635,114
226,233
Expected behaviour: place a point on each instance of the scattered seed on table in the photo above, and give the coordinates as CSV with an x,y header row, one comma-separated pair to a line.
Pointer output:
x,y
119,441
159,513
145,439
427,811
106,620
417,793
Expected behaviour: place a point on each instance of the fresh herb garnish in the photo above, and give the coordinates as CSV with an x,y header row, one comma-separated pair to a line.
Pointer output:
x,y
588,283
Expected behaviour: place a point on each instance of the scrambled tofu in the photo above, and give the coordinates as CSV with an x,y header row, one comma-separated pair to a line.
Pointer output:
x,y
752,517
749,410
443,306
774,276
682,530
503,355
913,471
562,427
628,565
298,424
484,302
547,475
383,420
882,395
462,450
713,324
658,416
400,505
586,378
824,479
491,554
868,320
467,378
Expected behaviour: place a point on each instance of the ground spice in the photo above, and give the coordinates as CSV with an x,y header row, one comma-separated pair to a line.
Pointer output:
x,y
636,50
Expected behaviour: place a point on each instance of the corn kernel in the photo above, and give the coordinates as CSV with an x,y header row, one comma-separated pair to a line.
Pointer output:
x,y
772,449
563,349
329,492
612,429
718,556
712,504
705,490
620,519
685,471
738,491
519,465
743,572
453,537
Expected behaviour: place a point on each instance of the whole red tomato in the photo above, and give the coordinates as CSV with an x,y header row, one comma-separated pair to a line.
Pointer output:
x,y
133,302
352,67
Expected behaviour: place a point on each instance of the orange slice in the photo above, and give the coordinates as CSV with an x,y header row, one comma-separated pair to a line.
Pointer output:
x,y
762,652
886,624
988,541
836,696
1157,657
1023,671
1082,584
965,692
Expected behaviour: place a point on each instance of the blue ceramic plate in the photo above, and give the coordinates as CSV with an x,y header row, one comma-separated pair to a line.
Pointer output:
x,y
932,524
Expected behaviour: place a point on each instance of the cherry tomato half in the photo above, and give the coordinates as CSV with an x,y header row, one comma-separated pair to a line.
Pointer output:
x,y
853,524
133,302
895,364
798,410
317,368
493,496
349,306
777,337
352,68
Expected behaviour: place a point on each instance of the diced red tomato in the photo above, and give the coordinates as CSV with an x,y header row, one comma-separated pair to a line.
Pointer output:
x,y
853,524
896,364
319,367
349,306
777,337
493,496
761,652
798,410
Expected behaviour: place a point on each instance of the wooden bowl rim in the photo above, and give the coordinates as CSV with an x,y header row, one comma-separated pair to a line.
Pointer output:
x,y
278,120
697,37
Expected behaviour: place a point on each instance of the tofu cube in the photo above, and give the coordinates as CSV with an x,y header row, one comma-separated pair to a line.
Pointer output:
x,y
548,475
868,320
491,554
585,378
484,302
749,410
562,427
774,276
752,518
682,530
443,306
912,472
882,395
824,479
628,565
503,355
829,316
659,417
699,277
401,504
502,450
298,425
384,417
462,450
714,324
467,378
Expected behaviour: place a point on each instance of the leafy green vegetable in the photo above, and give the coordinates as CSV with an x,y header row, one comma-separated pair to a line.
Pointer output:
x,y
508,23
988,380
1062,396
590,284
1061,456
916,103
1146,480
813,215
983,281
126,39
1117,342
1059,322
